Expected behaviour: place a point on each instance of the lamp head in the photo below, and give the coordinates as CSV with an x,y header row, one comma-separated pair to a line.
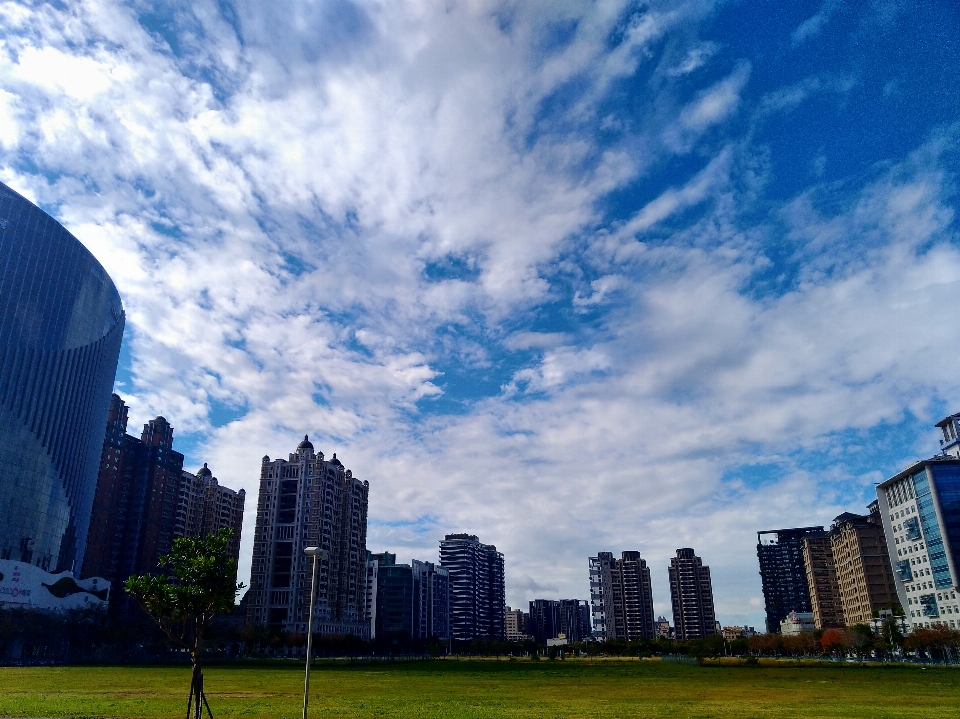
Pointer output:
x,y
315,552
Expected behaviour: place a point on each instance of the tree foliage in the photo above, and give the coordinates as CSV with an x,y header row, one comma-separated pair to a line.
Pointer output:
x,y
937,641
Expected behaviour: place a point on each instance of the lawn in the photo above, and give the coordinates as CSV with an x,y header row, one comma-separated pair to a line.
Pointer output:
x,y
479,689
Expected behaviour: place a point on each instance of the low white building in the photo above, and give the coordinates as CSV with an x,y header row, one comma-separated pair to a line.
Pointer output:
x,y
28,587
796,623
731,634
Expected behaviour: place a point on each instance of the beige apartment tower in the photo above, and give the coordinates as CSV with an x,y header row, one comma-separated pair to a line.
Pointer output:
x,y
515,624
205,507
864,574
848,570
822,580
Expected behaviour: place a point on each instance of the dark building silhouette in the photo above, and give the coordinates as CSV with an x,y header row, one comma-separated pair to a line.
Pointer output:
x,y
61,323
782,573
135,504
395,600
476,587
621,597
307,501
109,533
431,601
549,618
691,592
159,468
412,601
144,500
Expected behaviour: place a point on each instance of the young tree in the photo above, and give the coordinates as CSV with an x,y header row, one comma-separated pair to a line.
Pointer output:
x,y
200,581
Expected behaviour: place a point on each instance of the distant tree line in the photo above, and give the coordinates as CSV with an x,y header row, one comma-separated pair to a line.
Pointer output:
x,y
92,636
861,641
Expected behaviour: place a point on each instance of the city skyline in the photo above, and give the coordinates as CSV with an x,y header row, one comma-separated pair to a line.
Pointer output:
x,y
565,277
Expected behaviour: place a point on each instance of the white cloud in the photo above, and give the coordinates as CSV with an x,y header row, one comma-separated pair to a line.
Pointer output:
x,y
813,25
526,340
710,108
272,209
601,287
696,58
673,200
9,126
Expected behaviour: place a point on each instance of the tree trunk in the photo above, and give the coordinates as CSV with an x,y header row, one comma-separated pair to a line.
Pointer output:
x,y
197,696
197,691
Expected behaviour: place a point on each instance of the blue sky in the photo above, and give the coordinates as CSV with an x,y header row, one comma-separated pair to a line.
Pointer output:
x,y
571,276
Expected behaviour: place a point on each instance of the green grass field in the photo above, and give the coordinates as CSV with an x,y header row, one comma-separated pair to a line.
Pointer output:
x,y
479,689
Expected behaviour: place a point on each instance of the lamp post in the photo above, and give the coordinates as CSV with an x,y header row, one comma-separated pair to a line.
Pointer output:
x,y
314,552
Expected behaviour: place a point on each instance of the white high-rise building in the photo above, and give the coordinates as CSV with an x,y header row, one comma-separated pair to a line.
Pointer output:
x,y
370,595
920,508
307,501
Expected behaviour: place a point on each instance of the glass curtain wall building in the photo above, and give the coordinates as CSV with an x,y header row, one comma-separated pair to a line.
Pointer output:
x,y
920,507
61,323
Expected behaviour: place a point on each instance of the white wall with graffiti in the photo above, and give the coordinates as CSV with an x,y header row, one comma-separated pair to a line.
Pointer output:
x,y
27,586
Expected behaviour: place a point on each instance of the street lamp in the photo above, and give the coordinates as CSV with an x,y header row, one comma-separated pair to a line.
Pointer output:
x,y
314,552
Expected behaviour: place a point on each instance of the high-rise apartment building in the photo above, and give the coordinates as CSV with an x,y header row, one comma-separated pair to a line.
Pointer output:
x,y
822,580
160,468
395,601
370,594
691,592
135,505
431,601
602,570
113,538
144,500
205,507
542,619
476,587
549,618
782,573
61,322
864,574
920,511
621,597
306,501
412,601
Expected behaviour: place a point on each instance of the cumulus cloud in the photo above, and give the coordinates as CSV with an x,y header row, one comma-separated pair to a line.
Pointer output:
x,y
516,263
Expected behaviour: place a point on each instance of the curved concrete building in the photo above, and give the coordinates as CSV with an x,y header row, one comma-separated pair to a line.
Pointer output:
x,y
61,322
